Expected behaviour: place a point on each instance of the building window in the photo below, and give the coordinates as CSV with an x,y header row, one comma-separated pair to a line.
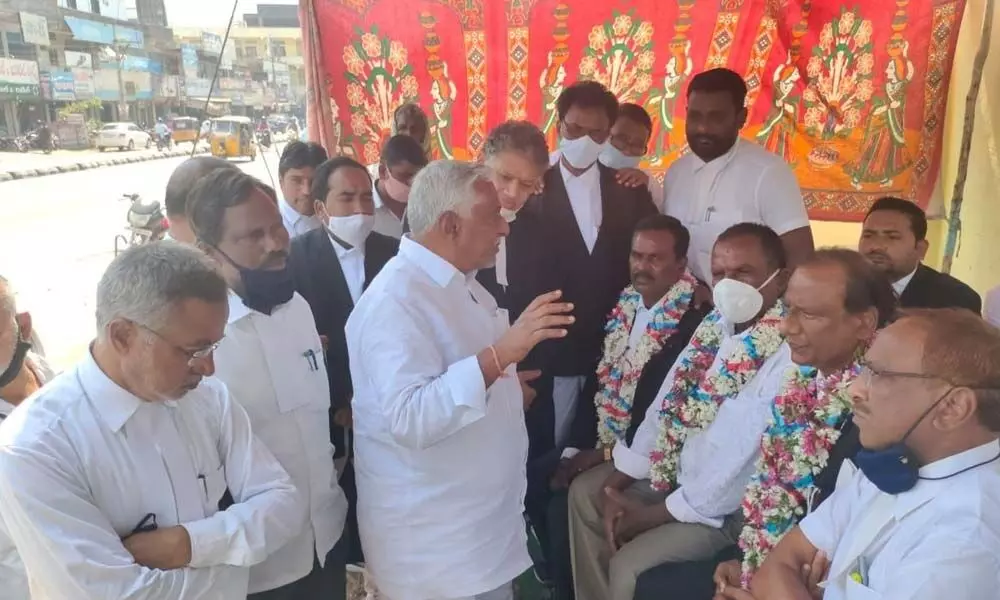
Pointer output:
x,y
130,88
95,6
16,48
250,51
278,50
53,57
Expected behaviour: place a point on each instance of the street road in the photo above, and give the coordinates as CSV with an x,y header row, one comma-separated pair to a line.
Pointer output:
x,y
57,236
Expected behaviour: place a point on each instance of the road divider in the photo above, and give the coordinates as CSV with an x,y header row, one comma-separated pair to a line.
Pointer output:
x,y
17,174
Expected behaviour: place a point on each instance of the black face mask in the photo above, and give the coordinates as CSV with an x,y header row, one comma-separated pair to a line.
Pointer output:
x,y
16,361
264,289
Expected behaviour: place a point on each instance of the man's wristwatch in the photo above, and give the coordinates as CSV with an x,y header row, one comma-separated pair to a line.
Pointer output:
x,y
607,454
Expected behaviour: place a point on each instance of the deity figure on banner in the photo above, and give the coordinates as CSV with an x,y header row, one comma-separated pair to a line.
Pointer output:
x,y
620,56
553,78
339,139
379,79
443,91
883,153
664,100
776,134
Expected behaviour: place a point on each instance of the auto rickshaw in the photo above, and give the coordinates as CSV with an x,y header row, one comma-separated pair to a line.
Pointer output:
x,y
185,129
233,137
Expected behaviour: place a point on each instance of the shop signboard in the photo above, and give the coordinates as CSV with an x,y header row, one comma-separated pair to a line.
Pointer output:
x,y
34,29
83,84
211,43
63,89
79,60
19,78
103,33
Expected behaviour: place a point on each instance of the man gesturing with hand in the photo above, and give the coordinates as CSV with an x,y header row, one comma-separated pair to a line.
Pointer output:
x,y
440,441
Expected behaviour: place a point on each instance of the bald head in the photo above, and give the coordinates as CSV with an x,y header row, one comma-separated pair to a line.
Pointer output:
x,y
181,182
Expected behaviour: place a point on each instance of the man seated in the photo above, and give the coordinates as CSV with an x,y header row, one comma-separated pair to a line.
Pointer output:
x,y
652,322
402,157
836,300
918,521
699,439
111,475
894,239
179,186
296,168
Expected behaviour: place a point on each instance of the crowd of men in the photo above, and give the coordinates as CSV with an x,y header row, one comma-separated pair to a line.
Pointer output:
x,y
417,365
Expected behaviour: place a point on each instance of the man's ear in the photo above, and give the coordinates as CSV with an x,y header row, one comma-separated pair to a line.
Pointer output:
x,y
449,222
741,118
122,335
24,325
922,247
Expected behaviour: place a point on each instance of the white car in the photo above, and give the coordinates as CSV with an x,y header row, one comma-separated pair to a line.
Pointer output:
x,y
124,136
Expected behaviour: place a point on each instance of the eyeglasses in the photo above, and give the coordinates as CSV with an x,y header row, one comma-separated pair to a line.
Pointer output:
x,y
192,355
870,373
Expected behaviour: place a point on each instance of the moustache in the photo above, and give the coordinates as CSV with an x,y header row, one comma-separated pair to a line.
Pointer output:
x,y
877,254
275,259
641,277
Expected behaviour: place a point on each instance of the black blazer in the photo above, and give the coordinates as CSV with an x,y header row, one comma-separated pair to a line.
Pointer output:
x,y
320,279
931,289
550,253
584,431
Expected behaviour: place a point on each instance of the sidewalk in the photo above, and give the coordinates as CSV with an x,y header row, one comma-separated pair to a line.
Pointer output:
x,y
14,165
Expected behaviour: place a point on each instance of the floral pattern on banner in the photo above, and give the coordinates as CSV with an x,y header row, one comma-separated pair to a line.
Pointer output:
x,y
806,422
698,390
853,96
620,367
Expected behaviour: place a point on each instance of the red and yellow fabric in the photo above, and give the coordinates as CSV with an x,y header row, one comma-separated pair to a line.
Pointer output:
x,y
852,96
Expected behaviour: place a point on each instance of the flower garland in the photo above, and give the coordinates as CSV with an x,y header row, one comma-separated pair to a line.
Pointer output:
x,y
697,390
805,424
620,367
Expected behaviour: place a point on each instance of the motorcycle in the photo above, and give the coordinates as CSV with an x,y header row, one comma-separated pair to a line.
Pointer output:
x,y
36,141
163,141
264,138
146,223
13,144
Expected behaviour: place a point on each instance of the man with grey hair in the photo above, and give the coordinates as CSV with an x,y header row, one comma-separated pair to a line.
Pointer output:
x,y
112,474
440,443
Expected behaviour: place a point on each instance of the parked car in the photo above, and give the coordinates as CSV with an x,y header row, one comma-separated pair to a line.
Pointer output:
x,y
124,136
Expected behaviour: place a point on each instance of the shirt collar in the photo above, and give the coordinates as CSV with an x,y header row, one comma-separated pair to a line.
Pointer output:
x,y
926,489
900,286
288,212
115,404
237,308
591,176
721,162
6,408
376,197
438,269
343,252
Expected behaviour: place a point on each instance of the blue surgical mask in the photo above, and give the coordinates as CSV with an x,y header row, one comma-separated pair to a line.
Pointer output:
x,y
264,289
894,469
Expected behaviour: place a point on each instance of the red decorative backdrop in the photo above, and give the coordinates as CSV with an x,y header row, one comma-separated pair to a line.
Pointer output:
x,y
852,95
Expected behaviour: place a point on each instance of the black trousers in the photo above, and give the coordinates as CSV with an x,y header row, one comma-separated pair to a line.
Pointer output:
x,y
682,581
328,582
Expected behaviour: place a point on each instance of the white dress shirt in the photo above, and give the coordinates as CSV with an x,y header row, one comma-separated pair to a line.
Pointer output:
x,y
655,186
714,464
386,221
584,193
939,540
295,222
439,458
747,184
273,366
899,286
352,263
15,581
991,309
83,461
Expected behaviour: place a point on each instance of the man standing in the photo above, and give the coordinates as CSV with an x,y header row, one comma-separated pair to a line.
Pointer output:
x,y
586,223
179,186
401,158
894,239
438,416
331,267
917,521
726,180
272,361
295,174
667,496
111,476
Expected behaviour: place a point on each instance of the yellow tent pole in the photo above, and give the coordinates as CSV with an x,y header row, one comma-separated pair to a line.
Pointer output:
x,y
957,194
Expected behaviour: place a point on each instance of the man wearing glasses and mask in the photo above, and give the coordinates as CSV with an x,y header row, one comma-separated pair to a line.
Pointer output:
x,y
111,476
272,361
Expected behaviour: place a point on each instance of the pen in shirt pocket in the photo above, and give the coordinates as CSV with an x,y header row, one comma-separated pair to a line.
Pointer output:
x,y
147,524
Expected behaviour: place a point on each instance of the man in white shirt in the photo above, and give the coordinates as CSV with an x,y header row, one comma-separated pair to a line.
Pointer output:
x,y
439,426
295,174
402,157
111,475
272,361
918,520
184,177
726,180
614,506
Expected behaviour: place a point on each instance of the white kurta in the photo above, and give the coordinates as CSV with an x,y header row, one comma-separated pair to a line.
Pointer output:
x,y
83,462
440,459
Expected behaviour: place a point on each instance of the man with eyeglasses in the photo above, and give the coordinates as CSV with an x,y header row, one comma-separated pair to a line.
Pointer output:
x,y
919,520
272,361
111,474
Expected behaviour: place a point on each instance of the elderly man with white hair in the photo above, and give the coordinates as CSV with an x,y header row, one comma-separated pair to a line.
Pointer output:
x,y
440,441
111,475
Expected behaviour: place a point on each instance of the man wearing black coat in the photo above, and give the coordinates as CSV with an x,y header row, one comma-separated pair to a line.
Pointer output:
x,y
894,239
331,266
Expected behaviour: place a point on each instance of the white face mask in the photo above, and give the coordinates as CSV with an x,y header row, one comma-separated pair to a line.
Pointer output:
x,y
616,159
508,214
738,302
582,152
353,229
